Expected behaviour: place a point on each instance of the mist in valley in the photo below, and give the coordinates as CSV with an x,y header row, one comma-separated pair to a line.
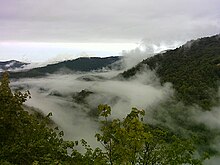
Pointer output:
x,y
55,94
73,99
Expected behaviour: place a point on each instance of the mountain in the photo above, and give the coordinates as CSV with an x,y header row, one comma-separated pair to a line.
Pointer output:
x,y
193,69
83,64
11,65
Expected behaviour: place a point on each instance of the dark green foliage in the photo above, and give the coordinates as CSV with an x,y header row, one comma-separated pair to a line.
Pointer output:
x,y
80,97
13,64
82,64
179,119
193,69
55,93
23,138
131,141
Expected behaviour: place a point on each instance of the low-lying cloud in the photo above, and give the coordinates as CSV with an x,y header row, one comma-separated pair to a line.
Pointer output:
x,y
73,117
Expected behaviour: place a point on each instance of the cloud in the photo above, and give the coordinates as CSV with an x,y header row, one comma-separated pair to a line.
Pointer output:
x,y
51,52
108,21
123,95
72,117
144,92
210,118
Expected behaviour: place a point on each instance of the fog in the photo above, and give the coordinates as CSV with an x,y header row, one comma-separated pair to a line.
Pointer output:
x,y
74,118
212,120
58,93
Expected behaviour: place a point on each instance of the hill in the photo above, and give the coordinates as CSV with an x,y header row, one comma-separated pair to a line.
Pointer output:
x,y
11,65
83,64
193,69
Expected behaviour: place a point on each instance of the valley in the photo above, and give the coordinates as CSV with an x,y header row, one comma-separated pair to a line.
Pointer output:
x,y
178,90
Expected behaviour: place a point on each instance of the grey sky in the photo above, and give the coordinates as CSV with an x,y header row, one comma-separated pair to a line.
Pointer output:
x,y
107,21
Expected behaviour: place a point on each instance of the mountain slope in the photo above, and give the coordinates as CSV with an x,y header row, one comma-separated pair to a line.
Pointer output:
x,y
82,64
12,64
193,69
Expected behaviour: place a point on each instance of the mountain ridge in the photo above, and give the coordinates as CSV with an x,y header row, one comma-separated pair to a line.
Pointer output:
x,y
193,69
82,64
12,64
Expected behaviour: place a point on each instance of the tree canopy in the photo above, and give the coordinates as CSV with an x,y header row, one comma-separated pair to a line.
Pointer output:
x,y
193,69
23,138
26,140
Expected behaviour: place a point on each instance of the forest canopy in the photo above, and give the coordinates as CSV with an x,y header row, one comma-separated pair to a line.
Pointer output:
x,y
193,69
27,140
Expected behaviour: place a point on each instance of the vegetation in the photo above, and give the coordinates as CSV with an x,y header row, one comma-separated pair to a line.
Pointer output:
x,y
131,141
79,97
193,69
23,138
26,140
12,64
181,120
82,64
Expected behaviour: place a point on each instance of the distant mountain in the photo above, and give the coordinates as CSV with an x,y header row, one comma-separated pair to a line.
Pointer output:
x,y
11,65
83,64
193,69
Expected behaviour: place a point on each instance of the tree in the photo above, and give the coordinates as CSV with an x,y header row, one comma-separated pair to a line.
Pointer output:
x,y
131,141
26,140
23,138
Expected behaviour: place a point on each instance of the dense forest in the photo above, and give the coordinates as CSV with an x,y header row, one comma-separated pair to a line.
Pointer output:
x,y
83,64
12,64
26,139
193,69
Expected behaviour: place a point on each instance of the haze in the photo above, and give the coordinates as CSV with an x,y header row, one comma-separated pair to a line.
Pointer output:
x,y
129,23
55,30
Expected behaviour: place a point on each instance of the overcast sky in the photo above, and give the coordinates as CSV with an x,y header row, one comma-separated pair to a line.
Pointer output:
x,y
29,29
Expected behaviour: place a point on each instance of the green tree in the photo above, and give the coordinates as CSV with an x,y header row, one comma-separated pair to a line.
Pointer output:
x,y
131,141
23,138
26,140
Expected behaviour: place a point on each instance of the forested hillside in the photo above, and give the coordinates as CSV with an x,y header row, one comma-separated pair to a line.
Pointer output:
x,y
12,64
171,132
25,139
193,69
83,64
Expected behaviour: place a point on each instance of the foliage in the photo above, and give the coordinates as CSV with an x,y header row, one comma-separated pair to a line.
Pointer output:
x,y
82,64
193,69
79,97
177,118
12,64
26,140
131,141
23,139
